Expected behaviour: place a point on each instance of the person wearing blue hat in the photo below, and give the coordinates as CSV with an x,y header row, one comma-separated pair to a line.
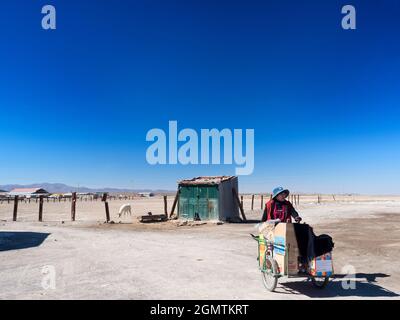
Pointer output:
x,y
280,208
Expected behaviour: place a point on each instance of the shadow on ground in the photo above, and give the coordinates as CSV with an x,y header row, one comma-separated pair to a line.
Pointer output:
x,y
364,287
370,277
21,240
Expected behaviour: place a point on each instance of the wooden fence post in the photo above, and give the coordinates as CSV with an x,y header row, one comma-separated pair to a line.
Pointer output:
x,y
262,202
236,196
15,208
252,202
41,208
104,199
73,206
174,204
165,206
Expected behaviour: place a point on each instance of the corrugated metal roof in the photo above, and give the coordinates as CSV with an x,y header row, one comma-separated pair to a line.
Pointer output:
x,y
212,180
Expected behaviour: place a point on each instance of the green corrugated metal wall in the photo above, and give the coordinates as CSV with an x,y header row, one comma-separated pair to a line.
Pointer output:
x,y
198,199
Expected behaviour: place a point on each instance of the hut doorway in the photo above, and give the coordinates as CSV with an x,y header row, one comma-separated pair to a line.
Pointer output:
x,y
198,202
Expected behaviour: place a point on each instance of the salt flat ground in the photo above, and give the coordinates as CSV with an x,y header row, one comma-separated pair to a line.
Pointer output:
x,y
129,260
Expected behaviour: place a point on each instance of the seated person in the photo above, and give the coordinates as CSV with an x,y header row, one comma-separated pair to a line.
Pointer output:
x,y
280,208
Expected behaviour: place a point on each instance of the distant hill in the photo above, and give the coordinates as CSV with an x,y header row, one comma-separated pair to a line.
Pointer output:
x,y
63,188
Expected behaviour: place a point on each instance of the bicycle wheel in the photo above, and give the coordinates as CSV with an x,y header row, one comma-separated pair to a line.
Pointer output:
x,y
270,274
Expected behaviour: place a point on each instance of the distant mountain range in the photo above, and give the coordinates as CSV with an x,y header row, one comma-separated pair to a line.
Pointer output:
x,y
63,188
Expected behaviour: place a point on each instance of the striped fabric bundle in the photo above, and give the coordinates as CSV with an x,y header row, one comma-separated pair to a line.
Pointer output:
x,y
322,266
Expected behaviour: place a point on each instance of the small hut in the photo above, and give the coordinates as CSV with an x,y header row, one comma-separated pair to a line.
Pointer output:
x,y
3,194
29,192
209,198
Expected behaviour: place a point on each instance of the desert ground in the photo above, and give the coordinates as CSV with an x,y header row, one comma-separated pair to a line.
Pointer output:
x,y
130,260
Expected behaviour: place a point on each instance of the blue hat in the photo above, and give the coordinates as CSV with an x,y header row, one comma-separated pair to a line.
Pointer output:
x,y
278,190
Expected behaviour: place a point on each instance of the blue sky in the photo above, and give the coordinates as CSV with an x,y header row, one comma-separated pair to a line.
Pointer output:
x,y
76,103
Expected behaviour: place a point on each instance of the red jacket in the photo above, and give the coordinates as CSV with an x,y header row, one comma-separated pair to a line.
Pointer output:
x,y
270,210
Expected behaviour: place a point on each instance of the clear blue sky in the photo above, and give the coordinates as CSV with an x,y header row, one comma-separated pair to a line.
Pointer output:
x,y
76,103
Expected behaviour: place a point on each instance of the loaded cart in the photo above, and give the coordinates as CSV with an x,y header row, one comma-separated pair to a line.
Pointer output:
x,y
293,250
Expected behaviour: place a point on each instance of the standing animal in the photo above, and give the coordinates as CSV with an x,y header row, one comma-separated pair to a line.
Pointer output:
x,y
125,209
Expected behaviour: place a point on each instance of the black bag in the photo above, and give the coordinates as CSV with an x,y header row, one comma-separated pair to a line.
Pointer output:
x,y
323,244
310,245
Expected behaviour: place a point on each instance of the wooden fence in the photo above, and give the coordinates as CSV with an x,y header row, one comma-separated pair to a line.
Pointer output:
x,y
293,198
